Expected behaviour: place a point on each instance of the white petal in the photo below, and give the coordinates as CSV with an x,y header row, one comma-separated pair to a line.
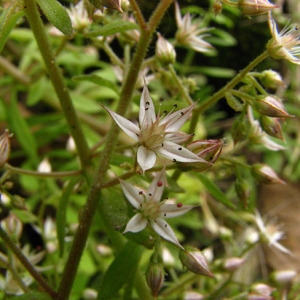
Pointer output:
x,y
132,194
172,210
146,158
155,189
178,137
147,112
136,223
175,120
176,152
128,127
165,231
178,15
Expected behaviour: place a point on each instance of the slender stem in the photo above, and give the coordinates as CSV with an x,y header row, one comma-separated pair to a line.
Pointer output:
x,y
23,259
42,174
94,197
231,84
182,89
57,80
8,67
138,14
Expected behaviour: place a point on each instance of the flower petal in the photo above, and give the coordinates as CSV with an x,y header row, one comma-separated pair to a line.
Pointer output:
x,y
156,187
172,210
128,127
145,158
132,194
136,223
175,120
165,231
176,152
147,112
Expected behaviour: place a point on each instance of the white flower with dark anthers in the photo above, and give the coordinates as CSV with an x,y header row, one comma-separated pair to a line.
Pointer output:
x,y
150,210
189,34
284,44
157,135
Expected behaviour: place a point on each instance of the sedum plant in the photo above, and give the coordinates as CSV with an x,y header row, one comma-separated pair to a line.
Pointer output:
x,y
114,117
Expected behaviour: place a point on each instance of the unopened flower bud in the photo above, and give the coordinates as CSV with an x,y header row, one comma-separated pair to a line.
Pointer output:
x,y
234,102
265,174
284,276
270,106
4,148
195,261
271,126
242,190
260,291
255,7
165,51
13,226
155,278
44,166
271,79
193,296
233,263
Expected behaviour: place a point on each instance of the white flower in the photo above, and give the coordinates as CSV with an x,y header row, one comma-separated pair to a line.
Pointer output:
x,y
79,16
157,135
259,136
270,233
284,44
150,210
189,34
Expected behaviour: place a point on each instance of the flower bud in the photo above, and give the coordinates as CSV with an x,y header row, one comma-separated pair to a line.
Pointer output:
x,y
271,79
284,276
270,106
155,278
271,126
234,102
13,226
165,51
195,261
4,148
193,296
255,7
260,291
233,263
265,174
45,166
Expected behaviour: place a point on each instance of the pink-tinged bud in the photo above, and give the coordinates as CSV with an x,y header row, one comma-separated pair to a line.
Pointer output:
x,y
255,7
13,226
260,291
155,278
284,276
271,126
209,150
270,106
4,148
234,102
164,51
233,263
265,174
242,190
195,261
271,79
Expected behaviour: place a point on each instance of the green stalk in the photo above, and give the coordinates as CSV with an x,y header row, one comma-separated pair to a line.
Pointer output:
x,y
230,85
94,197
26,263
54,72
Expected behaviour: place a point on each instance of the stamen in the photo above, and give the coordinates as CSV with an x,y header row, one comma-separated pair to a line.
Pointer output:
x,y
149,194
179,148
174,160
146,108
179,205
166,225
137,135
162,144
165,214
147,103
140,192
182,113
159,183
175,105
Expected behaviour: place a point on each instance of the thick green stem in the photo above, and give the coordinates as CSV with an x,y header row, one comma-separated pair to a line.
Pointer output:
x,y
90,208
23,259
230,85
57,80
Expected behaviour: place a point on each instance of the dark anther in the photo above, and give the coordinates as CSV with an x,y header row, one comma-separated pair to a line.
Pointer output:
x,y
175,105
182,113
179,148
150,194
162,144
165,214
140,192
147,103
174,160
137,134
166,225
146,108
165,112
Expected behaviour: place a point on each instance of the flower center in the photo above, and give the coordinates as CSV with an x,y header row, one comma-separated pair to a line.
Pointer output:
x,y
150,209
153,136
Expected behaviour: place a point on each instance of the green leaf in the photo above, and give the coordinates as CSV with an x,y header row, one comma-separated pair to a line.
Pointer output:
x,y
21,130
57,15
32,296
214,190
113,28
99,81
216,72
8,19
119,271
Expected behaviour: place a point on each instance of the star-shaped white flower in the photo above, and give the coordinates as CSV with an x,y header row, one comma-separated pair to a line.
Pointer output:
x,y
284,44
189,34
150,210
157,135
